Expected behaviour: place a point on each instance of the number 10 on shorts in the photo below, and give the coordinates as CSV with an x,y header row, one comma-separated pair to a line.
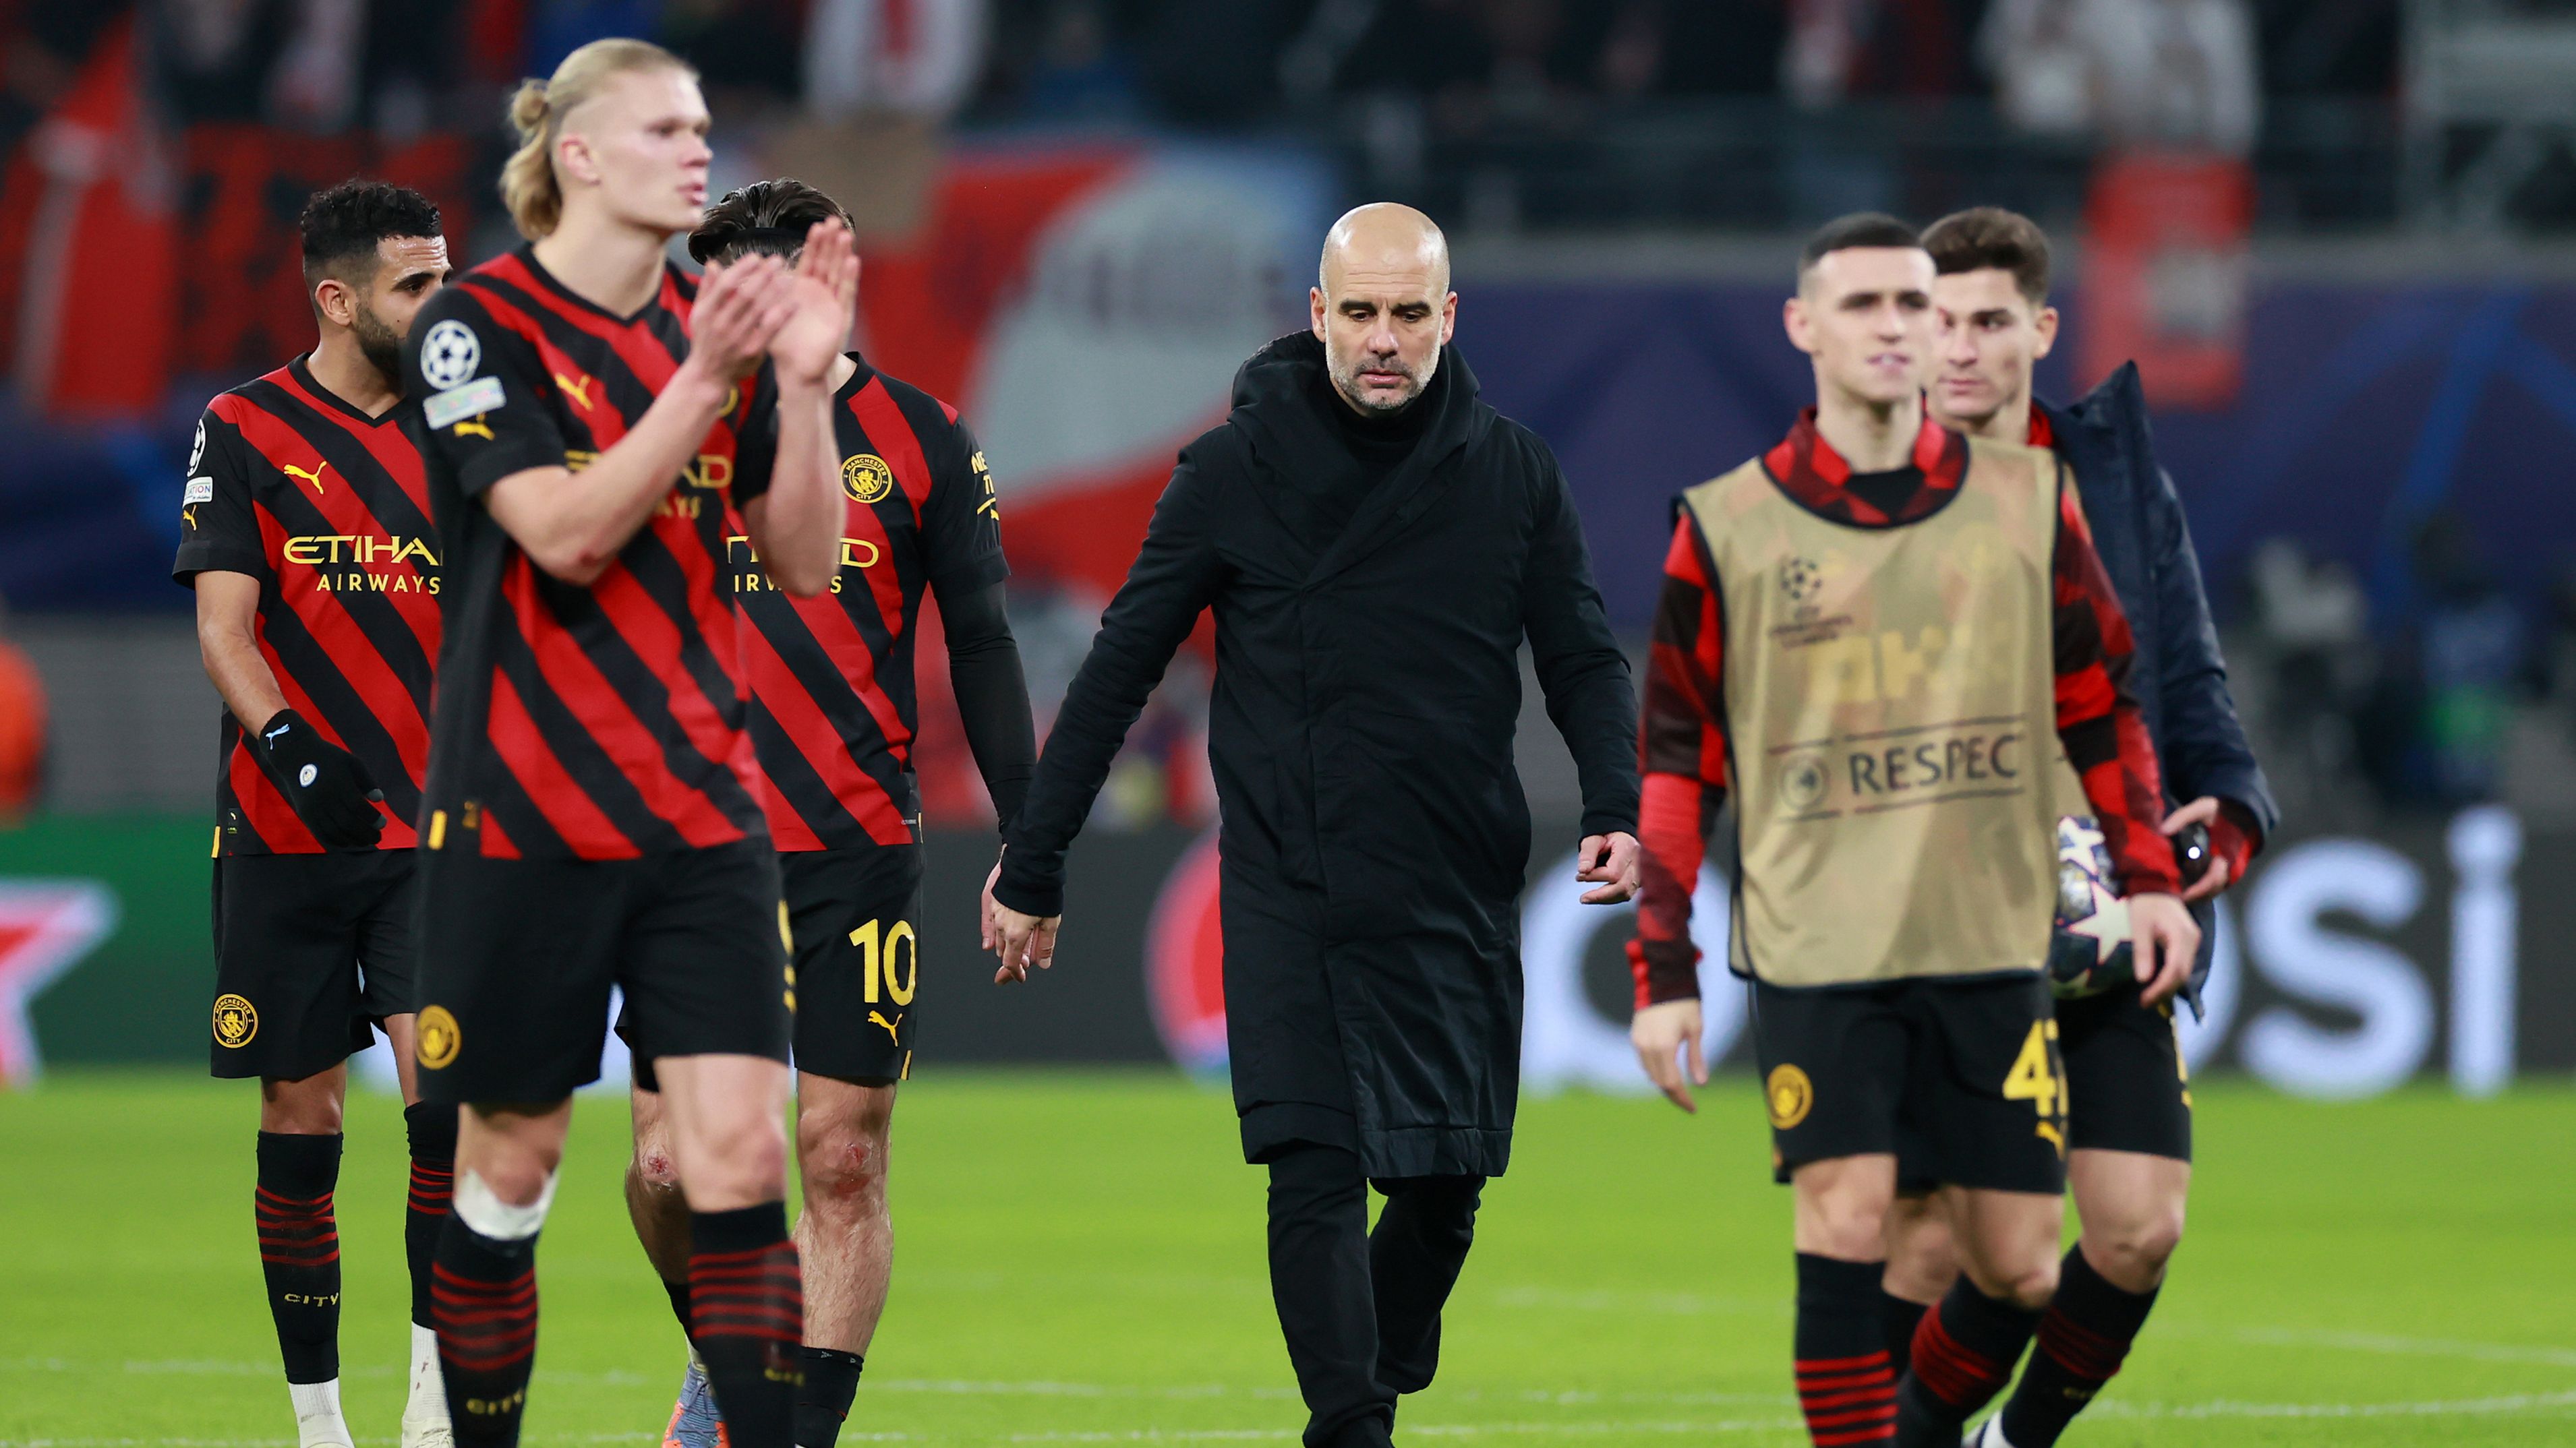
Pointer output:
x,y
2038,1076
897,975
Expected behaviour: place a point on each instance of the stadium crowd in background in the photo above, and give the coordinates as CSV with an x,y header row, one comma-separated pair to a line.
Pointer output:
x,y
2057,65
1504,113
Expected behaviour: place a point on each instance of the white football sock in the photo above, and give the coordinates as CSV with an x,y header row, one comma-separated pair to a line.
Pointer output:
x,y
427,1404
317,1414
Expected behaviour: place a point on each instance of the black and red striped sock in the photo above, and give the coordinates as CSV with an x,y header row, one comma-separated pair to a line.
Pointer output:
x,y
1963,1355
1898,1317
299,1250
432,1132
747,1317
1846,1384
2083,1337
483,1295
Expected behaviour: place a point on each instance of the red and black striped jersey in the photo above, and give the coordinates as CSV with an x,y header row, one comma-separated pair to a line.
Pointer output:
x,y
833,703
328,509
598,722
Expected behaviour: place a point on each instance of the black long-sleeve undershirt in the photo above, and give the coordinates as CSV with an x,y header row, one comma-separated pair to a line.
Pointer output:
x,y
992,694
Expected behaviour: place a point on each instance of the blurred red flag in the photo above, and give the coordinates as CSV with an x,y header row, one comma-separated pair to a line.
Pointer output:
x,y
2165,274
98,299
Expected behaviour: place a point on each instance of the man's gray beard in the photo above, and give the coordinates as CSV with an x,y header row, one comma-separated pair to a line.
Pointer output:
x,y
1349,386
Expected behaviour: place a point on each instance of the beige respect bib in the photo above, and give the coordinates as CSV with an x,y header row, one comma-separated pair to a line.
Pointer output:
x,y
1891,718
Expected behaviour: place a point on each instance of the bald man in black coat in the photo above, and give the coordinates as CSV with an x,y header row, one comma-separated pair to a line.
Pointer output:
x,y
1376,543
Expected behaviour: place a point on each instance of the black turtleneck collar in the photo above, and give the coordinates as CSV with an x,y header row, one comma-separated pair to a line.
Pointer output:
x,y
1286,407
1322,458
1378,440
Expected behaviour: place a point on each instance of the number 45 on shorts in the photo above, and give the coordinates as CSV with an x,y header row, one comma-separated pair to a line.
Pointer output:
x,y
2038,1076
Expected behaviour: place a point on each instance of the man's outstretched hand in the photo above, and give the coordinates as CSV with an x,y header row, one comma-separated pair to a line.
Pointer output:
x,y
1611,862
1018,941
1667,1037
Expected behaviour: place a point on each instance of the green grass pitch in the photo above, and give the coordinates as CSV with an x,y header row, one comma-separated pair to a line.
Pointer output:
x,y
1079,1260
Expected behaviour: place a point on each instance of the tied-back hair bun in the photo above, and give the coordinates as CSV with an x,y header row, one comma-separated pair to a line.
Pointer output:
x,y
529,186
528,109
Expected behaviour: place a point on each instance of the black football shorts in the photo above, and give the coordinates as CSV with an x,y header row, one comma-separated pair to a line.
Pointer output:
x,y
517,958
1964,1075
2131,1090
854,916
2128,1088
311,953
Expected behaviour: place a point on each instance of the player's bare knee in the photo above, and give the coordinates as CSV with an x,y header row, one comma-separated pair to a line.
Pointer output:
x,y
312,1106
844,1171
652,1168
513,1163
2027,1285
843,1160
1922,1260
300,1117
748,1162
2131,1254
1846,1223
516,1178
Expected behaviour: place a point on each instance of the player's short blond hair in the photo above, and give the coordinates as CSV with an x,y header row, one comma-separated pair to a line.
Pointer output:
x,y
529,186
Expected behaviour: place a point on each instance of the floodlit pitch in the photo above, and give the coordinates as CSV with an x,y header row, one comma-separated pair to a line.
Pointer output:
x,y
1081,1264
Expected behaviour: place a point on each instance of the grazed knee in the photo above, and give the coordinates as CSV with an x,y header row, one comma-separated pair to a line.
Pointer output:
x,y
654,1169
843,1162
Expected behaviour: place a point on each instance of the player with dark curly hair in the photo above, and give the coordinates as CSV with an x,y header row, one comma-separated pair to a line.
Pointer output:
x,y
305,531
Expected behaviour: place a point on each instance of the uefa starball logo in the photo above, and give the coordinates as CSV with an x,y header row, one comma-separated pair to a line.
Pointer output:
x,y
450,354
1801,579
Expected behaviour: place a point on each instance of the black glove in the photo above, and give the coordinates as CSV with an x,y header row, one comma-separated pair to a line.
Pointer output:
x,y
331,791
2191,852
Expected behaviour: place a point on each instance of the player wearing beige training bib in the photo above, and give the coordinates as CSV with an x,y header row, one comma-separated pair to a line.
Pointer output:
x,y
1871,633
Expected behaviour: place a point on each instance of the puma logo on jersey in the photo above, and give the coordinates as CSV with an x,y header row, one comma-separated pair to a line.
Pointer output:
x,y
877,1018
314,477
476,426
280,729
578,391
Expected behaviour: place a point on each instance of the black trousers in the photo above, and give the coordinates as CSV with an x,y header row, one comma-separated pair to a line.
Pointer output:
x,y
1361,1308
